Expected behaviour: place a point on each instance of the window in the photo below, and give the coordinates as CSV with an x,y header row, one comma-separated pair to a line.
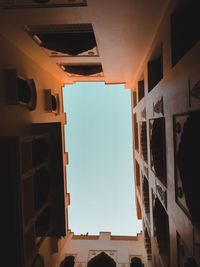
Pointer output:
x,y
155,68
187,160
20,91
140,90
184,30
158,148
161,226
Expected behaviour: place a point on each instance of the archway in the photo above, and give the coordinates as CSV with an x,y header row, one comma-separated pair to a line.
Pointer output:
x,y
68,262
136,262
100,260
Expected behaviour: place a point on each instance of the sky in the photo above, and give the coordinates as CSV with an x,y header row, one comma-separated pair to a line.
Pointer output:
x,y
98,138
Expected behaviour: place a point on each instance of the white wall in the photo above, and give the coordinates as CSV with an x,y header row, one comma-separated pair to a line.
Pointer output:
x,y
121,249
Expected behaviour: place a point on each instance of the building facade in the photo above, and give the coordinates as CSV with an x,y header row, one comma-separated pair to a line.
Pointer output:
x,y
154,50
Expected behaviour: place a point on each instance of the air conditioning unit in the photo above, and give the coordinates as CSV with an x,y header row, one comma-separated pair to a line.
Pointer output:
x,y
42,3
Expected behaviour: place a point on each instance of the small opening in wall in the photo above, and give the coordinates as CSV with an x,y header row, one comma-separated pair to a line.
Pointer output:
x,y
134,98
187,159
158,148
141,91
161,224
135,131
24,91
155,68
54,102
184,30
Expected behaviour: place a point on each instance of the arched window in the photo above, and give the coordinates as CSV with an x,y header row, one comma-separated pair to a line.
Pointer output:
x,y
136,262
100,260
68,262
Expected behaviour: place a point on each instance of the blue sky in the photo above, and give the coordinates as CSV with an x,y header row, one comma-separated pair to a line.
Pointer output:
x,y
100,172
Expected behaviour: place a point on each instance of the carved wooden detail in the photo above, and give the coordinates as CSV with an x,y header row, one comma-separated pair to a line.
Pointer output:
x,y
194,94
158,107
162,194
143,114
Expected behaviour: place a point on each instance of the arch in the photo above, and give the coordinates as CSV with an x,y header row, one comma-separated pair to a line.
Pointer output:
x,y
68,261
100,260
188,164
136,262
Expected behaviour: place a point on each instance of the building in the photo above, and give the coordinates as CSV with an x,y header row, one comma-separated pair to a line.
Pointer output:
x,y
151,47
